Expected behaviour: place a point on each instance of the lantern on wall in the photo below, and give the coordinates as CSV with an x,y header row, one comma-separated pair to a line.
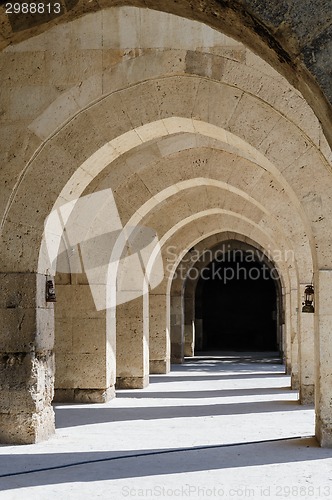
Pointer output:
x,y
308,299
50,290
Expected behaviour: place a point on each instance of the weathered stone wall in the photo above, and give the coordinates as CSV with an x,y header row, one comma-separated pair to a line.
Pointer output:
x,y
26,359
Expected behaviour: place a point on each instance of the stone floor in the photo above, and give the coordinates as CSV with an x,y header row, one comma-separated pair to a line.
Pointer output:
x,y
216,427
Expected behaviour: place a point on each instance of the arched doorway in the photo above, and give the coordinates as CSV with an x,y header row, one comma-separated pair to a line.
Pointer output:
x,y
238,301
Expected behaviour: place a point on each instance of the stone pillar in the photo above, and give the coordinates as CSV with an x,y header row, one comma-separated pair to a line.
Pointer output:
x,y
132,343
85,361
199,334
295,380
323,357
189,325
26,359
159,341
306,355
286,334
176,326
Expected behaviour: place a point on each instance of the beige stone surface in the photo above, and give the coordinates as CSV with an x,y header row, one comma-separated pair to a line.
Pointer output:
x,y
26,382
80,370
81,355
132,343
194,136
159,345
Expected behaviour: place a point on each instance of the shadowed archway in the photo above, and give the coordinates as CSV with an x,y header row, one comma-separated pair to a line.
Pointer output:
x,y
237,298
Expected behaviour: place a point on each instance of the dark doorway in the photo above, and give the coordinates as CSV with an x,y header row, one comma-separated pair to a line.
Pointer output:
x,y
238,304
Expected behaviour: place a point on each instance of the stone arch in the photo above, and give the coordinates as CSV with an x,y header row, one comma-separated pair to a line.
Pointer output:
x,y
128,128
180,285
83,175
275,33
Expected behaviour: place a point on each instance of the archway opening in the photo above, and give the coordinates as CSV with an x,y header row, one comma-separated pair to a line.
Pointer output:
x,y
237,301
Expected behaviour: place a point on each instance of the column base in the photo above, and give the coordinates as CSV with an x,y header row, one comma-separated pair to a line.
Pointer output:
x,y
27,428
177,356
177,361
189,350
288,368
323,433
295,382
132,382
159,366
307,394
26,392
83,395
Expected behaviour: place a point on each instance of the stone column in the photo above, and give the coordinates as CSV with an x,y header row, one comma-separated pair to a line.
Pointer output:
x,y
286,334
85,361
295,381
26,359
132,343
159,341
176,326
189,324
199,334
323,357
306,355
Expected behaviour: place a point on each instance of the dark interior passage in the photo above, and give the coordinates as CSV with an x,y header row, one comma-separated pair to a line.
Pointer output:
x,y
238,304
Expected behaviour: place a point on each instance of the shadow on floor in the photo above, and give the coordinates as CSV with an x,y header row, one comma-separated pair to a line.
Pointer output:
x,y
69,416
102,466
238,357
204,394
156,379
92,466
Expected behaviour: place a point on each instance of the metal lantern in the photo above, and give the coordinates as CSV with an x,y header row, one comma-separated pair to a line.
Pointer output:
x,y
50,291
308,299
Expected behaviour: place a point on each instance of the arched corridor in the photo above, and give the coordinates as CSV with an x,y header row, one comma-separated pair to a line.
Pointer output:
x,y
128,155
